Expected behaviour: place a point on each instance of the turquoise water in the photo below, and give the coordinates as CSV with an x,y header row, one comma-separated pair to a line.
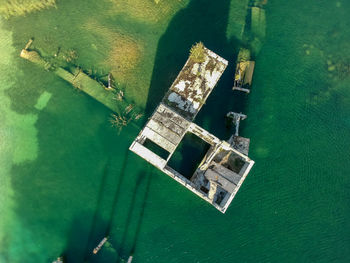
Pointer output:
x,y
68,179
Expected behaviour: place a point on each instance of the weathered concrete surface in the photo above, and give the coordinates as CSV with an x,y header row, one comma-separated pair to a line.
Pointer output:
x,y
194,84
241,144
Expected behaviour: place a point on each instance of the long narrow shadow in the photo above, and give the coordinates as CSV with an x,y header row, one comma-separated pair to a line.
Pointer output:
x,y
96,225
139,218
117,192
143,206
122,251
98,228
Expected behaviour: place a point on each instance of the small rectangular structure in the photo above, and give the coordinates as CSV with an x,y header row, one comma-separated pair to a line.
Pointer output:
x,y
223,168
244,71
244,75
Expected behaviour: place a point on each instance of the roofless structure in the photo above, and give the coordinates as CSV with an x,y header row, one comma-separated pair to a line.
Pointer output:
x,y
223,168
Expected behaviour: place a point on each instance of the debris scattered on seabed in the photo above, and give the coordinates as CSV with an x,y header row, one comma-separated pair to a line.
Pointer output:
x,y
138,116
99,246
119,96
128,108
119,121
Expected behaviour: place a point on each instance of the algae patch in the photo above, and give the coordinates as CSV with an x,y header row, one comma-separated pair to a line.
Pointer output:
x,y
147,11
124,51
124,57
20,8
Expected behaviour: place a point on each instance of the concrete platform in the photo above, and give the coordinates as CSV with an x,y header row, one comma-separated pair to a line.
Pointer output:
x,y
223,168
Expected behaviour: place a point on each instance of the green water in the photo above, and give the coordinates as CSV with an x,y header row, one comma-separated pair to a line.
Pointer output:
x,y
67,178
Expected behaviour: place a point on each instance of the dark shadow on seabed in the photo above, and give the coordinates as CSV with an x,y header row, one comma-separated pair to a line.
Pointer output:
x,y
143,179
76,250
206,21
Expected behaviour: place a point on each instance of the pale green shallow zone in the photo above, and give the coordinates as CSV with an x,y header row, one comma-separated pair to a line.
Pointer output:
x,y
43,100
68,179
18,144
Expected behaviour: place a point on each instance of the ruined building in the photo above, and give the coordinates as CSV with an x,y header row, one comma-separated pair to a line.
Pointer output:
x,y
225,165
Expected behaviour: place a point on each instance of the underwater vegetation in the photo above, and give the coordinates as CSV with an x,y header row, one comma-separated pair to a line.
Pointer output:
x,y
197,53
336,63
151,11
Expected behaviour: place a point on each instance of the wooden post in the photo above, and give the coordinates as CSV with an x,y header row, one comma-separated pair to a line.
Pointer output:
x,y
30,41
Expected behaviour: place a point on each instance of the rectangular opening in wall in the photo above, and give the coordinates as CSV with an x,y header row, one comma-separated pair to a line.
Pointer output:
x,y
152,146
188,155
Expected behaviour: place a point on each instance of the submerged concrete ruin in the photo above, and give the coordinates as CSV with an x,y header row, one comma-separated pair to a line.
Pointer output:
x,y
224,167
125,112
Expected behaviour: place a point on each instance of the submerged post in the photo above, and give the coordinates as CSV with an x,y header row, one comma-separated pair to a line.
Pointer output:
x,y
58,260
99,246
30,41
130,258
236,118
